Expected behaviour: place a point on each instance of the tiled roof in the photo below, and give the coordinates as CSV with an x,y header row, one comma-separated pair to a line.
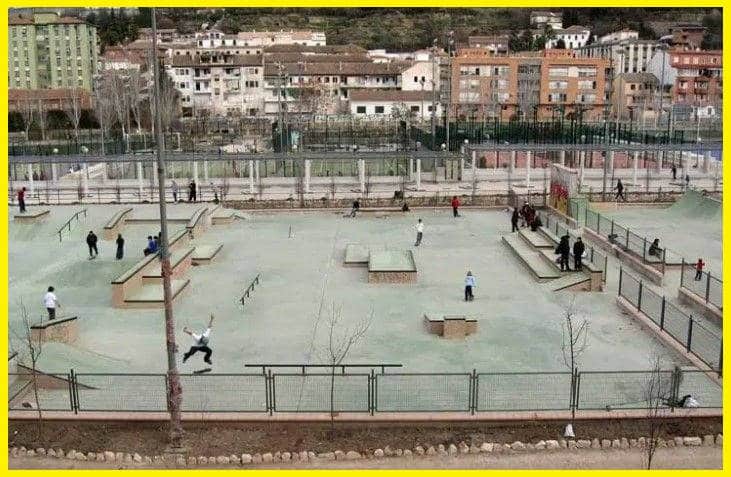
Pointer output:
x,y
326,49
24,20
233,60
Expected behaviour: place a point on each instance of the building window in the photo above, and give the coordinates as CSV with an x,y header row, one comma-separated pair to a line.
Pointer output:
x,y
379,109
558,72
414,109
360,109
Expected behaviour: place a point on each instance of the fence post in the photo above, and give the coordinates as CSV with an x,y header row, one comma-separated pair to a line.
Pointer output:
x,y
690,334
682,270
598,218
586,215
372,391
577,393
272,394
662,314
473,395
708,286
639,296
644,248
627,240
619,293
720,360
612,229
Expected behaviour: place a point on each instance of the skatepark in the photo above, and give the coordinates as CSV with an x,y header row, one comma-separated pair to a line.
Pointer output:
x,y
300,261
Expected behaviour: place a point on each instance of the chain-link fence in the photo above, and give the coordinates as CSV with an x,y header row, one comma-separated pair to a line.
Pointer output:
x,y
696,337
356,391
703,284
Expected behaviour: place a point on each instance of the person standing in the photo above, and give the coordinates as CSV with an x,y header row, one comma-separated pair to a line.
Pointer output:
x,y
524,213
564,250
620,190
175,192
455,206
120,247
50,301
578,253
192,191
91,240
514,219
419,232
699,269
469,284
674,171
21,200
200,343
355,209
687,180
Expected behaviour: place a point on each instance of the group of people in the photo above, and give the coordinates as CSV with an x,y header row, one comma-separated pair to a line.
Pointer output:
x,y
564,251
527,216
92,239
192,191
153,245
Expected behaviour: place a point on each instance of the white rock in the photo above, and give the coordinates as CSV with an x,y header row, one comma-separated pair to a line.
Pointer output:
x,y
234,459
295,456
42,451
692,441
517,446
540,445
615,444
148,460
267,458
606,444
419,450
119,456
222,460
256,459
246,458
463,448
285,456
378,453
624,443
661,443
311,455
719,440
563,443
678,441
91,455
50,453
552,444
633,443
137,458
474,449
32,453
572,444
670,442
202,460
14,451
128,458
441,447
302,454
708,440
180,461
595,444
326,456
407,453
452,449
99,457
352,455
529,446
583,443
431,451
69,455
192,461
486,447
339,455
79,456
387,451
277,456
641,442
399,452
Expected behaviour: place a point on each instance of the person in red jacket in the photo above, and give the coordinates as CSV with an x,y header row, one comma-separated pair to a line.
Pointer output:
x,y
455,206
699,269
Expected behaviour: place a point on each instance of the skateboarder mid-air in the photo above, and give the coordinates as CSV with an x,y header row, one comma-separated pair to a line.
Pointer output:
x,y
200,343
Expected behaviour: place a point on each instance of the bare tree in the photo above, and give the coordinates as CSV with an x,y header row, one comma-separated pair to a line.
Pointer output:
x,y
73,109
658,394
137,95
42,111
120,99
574,333
27,111
340,340
104,108
33,349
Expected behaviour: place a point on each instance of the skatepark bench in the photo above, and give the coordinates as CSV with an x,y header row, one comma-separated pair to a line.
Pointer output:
x,y
115,224
64,330
34,215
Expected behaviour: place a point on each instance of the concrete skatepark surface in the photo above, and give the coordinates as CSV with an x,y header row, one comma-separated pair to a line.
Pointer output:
x,y
520,319
691,227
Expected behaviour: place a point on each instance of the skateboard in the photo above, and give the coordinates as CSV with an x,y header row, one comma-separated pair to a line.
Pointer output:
x,y
201,371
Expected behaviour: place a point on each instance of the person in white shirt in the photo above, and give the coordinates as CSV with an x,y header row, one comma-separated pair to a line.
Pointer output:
x,y
200,343
419,232
50,301
469,284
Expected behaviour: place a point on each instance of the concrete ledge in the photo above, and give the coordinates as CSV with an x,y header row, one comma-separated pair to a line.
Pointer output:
x,y
63,330
392,277
33,216
204,254
197,222
630,259
687,297
115,224
563,416
648,324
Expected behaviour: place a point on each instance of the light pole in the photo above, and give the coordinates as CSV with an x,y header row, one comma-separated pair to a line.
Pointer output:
x,y
174,390
434,92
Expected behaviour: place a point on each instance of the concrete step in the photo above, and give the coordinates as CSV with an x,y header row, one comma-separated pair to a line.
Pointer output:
x,y
534,260
536,239
569,281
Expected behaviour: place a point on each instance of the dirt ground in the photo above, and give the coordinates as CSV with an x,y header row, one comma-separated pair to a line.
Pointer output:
x,y
236,438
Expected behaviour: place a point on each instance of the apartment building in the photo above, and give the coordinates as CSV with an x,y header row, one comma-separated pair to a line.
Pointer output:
x,y
495,44
698,81
627,52
48,51
687,35
218,84
541,19
556,82
574,36
635,96
61,99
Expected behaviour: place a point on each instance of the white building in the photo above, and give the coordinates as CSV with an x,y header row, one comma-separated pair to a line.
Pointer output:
x,y
541,19
627,52
393,102
574,36
622,35
218,85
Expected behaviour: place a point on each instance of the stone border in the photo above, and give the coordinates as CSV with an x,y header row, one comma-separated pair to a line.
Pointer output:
x,y
450,450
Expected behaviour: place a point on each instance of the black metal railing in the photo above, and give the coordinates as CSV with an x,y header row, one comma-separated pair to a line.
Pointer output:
x,y
363,390
249,289
697,338
703,284
67,225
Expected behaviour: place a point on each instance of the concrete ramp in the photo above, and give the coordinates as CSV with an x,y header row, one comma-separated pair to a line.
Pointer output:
x,y
695,205
536,263
571,282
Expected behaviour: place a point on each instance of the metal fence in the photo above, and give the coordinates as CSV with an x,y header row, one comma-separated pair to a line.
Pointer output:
x,y
697,339
703,284
359,390
558,227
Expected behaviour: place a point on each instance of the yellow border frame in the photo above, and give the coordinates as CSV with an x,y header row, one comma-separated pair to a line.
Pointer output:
x,y
347,4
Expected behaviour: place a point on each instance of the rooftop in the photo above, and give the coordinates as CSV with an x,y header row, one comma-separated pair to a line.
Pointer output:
x,y
231,60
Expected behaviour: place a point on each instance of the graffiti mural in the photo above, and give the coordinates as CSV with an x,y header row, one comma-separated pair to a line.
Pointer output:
x,y
564,182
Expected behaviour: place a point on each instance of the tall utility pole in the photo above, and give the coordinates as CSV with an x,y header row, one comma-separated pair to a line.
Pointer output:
x,y
174,390
434,93
280,74
450,42
607,104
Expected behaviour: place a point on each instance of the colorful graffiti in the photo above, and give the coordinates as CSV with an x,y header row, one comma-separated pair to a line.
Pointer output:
x,y
559,198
